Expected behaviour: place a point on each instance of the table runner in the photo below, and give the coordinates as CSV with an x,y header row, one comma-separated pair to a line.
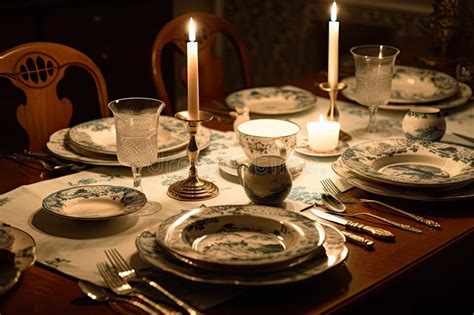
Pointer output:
x,y
74,247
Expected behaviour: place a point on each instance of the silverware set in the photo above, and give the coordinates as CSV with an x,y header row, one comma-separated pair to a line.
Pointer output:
x,y
120,276
331,188
45,162
334,200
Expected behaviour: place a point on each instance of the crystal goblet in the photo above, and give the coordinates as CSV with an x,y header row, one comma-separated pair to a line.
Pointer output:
x,y
374,66
136,125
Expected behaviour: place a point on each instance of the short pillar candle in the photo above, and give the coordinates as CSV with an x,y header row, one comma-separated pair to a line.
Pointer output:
x,y
323,135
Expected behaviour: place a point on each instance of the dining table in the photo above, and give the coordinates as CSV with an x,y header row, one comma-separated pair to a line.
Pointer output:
x,y
429,272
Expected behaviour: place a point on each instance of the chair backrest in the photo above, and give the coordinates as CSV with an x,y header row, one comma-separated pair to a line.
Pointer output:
x,y
211,67
36,68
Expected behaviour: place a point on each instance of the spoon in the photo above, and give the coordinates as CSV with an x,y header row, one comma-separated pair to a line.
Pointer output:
x,y
335,205
99,294
332,203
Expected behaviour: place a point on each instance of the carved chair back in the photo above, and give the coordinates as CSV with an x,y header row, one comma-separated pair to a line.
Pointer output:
x,y
36,68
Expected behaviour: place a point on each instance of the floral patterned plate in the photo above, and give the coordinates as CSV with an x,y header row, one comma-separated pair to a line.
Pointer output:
x,y
98,136
94,202
273,100
412,85
421,194
230,163
243,237
303,147
411,163
335,253
24,250
24,247
58,146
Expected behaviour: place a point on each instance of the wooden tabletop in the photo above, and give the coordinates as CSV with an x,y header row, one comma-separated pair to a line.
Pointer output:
x,y
419,273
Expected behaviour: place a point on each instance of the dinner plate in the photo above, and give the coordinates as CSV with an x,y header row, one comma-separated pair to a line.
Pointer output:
x,y
230,163
98,135
243,237
335,253
304,148
382,189
411,163
412,85
94,202
273,100
59,147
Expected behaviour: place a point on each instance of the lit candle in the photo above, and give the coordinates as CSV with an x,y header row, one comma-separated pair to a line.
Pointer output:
x,y
333,48
323,135
193,74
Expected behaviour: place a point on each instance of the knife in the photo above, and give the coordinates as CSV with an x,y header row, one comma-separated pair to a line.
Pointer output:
x,y
464,137
356,226
359,240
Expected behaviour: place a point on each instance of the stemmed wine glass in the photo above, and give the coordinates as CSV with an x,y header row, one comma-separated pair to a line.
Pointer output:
x,y
374,70
136,125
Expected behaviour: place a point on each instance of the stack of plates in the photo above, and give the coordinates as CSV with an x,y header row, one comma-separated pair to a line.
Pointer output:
x,y
415,86
94,142
242,245
410,169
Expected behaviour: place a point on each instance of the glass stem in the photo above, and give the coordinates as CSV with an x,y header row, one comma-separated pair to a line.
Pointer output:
x,y
137,178
372,126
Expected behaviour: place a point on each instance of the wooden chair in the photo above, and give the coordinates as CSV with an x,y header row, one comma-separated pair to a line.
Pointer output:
x,y
36,68
211,67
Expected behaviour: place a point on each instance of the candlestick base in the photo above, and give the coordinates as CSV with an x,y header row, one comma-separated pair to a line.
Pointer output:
x,y
193,188
333,112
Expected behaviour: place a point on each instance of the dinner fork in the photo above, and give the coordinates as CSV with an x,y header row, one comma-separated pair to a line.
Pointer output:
x,y
121,287
127,272
329,186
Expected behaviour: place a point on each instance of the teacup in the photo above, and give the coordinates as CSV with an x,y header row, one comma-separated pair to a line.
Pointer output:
x,y
266,180
261,137
424,123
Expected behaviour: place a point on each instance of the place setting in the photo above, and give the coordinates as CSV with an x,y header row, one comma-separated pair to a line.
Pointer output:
x,y
94,142
281,246
412,86
410,169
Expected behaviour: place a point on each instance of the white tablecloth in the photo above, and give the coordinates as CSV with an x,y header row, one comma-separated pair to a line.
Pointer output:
x,y
74,247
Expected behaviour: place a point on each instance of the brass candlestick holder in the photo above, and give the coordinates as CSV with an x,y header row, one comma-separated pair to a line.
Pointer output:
x,y
333,112
193,188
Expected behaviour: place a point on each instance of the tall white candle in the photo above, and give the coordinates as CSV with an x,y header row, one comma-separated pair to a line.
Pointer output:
x,y
333,47
323,135
193,73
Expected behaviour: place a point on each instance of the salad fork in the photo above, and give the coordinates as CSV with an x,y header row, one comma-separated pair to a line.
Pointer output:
x,y
329,186
121,287
127,272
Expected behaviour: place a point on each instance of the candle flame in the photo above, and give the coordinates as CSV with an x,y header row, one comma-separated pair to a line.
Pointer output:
x,y
321,118
334,12
380,51
192,30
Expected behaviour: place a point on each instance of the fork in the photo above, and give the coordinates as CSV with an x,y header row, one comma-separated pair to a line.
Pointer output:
x,y
330,187
121,287
127,272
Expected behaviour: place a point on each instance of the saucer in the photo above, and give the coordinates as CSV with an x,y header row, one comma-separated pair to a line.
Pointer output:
x,y
230,163
303,148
